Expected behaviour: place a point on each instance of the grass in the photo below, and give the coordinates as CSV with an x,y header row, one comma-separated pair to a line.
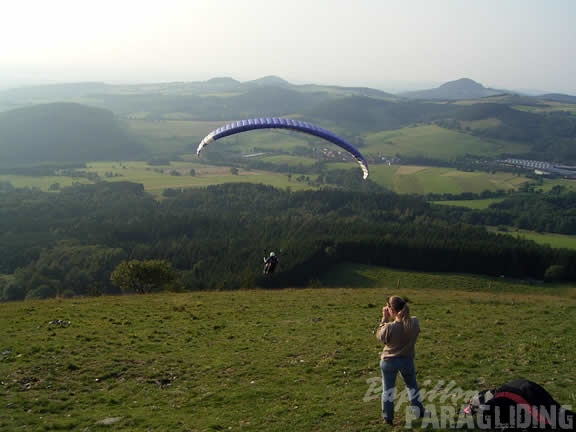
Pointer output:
x,y
171,128
157,178
478,204
410,179
42,183
399,178
562,241
270,360
435,142
570,185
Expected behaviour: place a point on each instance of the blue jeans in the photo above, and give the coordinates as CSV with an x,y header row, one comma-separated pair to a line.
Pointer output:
x,y
390,368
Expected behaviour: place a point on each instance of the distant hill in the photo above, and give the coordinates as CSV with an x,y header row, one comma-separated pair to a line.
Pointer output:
x,y
196,97
558,97
56,91
463,88
62,132
225,81
268,81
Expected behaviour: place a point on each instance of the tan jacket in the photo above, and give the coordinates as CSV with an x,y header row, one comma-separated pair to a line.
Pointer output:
x,y
398,341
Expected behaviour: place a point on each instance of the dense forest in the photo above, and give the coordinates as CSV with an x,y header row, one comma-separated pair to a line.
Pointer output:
x,y
69,243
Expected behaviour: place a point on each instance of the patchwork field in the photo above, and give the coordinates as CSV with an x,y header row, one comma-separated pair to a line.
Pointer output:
x,y
398,178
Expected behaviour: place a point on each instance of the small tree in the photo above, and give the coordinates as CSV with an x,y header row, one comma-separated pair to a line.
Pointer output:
x,y
555,273
142,276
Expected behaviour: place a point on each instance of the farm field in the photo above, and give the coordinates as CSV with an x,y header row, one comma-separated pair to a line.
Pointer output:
x,y
434,142
412,179
273,360
562,241
177,175
42,183
550,183
405,179
479,204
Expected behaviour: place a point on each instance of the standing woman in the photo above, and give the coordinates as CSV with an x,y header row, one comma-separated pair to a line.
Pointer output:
x,y
398,332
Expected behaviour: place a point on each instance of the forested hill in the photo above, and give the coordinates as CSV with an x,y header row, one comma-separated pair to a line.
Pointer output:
x,y
463,88
58,132
69,243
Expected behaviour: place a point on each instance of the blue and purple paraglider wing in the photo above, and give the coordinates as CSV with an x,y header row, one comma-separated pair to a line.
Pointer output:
x,y
283,123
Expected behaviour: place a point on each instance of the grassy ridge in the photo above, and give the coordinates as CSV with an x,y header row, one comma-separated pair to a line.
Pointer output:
x,y
267,360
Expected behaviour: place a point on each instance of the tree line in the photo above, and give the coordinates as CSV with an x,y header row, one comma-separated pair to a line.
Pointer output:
x,y
552,212
71,242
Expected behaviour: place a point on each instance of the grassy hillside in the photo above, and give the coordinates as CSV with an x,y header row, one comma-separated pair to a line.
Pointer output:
x,y
434,142
270,361
414,179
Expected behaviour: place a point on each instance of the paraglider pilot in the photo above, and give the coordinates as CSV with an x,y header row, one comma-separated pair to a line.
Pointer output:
x,y
270,263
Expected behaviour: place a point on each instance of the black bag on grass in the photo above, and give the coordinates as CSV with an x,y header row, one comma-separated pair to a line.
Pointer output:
x,y
520,405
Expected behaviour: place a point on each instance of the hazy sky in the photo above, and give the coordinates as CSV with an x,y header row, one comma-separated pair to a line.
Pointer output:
x,y
512,44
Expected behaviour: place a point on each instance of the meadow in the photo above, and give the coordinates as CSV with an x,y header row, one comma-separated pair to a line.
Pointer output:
x,y
273,360
432,141
554,240
478,204
177,175
425,140
417,179
406,179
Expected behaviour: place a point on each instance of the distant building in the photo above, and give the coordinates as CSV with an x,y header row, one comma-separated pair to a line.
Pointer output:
x,y
541,167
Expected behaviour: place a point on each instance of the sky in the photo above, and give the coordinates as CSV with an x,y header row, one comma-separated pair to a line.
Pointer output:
x,y
387,44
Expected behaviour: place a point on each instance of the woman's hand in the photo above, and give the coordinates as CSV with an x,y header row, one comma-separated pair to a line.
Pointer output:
x,y
385,314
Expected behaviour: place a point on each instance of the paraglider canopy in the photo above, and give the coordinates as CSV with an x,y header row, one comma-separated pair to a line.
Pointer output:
x,y
283,123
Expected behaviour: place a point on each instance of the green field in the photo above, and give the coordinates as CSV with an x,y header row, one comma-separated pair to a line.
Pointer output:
x,y
410,179
289,160
435,142
42,183
550,183
479,204
171,128
177,175
273,360
561,241
404,179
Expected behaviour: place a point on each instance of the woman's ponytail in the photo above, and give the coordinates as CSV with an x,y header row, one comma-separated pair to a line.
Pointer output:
x,y
399,305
